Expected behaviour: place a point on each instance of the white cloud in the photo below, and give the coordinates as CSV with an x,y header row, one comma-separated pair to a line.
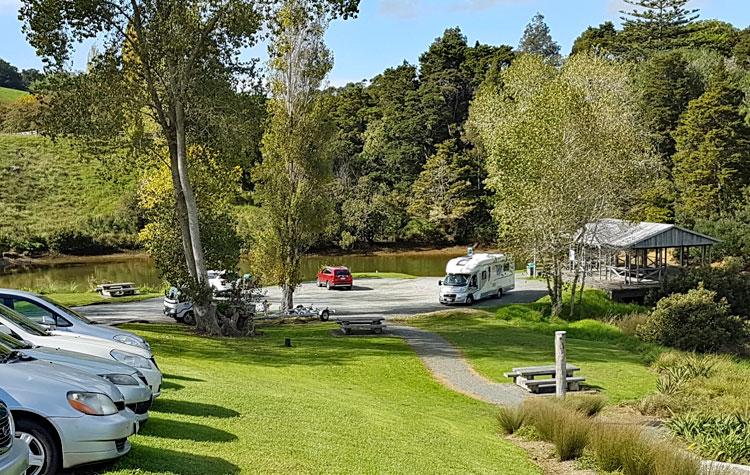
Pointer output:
x,y
403,9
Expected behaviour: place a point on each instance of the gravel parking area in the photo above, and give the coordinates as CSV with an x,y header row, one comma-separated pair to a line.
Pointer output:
x,y
369,297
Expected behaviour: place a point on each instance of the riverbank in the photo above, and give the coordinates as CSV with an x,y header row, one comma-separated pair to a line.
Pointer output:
x,y
13,264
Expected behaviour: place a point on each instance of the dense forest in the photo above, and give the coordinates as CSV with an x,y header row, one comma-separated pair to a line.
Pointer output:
x,y
407,165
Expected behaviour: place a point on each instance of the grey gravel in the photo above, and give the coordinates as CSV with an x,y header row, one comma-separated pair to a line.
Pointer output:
x,y
450,368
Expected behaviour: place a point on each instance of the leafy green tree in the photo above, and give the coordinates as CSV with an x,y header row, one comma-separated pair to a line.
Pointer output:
x,y
656,25
741,50
296,167
10,77
537,39
599,39
712,162
715,35
565,148
170,59
444,195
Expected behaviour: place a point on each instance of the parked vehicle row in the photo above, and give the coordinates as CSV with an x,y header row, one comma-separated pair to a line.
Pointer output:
x,y
70,394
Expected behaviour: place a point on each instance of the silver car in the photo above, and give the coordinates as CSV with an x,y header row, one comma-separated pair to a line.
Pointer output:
x,y
51,314
65,416
14,453
129,381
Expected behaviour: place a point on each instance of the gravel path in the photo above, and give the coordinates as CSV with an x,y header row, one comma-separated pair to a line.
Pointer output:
x,y
449,367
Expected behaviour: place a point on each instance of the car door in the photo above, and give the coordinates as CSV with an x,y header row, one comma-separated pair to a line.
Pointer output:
x,y
37,313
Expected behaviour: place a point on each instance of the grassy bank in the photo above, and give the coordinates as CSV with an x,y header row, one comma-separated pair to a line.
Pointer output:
x,y
326,405
10,95
48,187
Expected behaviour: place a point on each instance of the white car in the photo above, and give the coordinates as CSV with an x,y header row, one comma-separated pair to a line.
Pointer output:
x,y
56,316
21,328
218,281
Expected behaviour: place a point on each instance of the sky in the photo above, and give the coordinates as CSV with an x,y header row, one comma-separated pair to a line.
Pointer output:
x,y
388,32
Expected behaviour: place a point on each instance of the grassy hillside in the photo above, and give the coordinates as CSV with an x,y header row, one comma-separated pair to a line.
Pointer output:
x,y
10,95
47,186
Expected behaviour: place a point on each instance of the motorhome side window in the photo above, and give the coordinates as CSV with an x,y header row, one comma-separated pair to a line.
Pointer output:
x,y
506,266
498,270
484,275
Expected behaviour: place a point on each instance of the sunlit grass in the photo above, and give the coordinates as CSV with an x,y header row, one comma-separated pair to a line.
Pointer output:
x,y
328,404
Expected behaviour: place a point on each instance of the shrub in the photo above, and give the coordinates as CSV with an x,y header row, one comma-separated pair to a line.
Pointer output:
x,y
695,322
718,437
725,281
511,418
587,404
629,323
662,405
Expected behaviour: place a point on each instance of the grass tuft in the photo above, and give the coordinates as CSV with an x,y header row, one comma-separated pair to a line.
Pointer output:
x,y
587,404
511,418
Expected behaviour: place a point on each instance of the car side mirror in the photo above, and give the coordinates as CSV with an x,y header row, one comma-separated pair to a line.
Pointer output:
x,y
48,321
440,282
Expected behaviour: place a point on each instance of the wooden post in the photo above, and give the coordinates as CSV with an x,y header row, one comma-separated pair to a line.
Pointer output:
x,y
561,366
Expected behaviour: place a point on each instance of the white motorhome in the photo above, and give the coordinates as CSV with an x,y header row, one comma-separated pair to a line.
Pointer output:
x,y
475,277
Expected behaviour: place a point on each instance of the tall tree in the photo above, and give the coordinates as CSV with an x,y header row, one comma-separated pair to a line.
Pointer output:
x,y
10,77
166,55
565,148
537,39
656,25
712,162
599,39
296,165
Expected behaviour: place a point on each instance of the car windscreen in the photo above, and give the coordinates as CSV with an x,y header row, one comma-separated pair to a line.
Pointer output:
x,y
67,310
457,280
342,272
17,319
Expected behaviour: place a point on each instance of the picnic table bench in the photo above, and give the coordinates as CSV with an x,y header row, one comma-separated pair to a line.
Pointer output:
x,y
117,290
373,324
525,377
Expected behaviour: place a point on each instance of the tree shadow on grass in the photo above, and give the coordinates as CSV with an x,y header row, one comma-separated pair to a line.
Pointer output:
x,y
170,385
187,408
159,460
182,378
180,430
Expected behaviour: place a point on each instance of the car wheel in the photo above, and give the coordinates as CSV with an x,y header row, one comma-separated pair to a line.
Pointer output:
x,y
324,316
44,455
319,284
469,300
328,285
189,318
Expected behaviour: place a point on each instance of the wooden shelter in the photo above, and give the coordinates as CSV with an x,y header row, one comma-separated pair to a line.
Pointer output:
x,y
636,252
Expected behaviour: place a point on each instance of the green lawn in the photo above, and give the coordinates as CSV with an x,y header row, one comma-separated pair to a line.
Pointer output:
x,y
10,95
382,275
327,405
517,335
92,298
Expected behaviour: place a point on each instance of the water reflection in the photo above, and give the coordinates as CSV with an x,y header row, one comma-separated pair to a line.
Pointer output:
x,y
141,270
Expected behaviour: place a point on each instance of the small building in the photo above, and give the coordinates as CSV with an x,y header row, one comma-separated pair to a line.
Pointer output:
x,y
632,253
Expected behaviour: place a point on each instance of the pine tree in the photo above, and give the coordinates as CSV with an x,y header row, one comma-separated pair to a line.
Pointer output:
x,y
656,25
712,163
537,39
599,39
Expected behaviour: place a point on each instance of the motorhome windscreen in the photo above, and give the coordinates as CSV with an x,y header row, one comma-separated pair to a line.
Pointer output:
x,y
456,280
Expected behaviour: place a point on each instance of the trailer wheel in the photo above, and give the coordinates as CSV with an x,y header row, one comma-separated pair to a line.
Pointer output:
x,y
189,318
324,316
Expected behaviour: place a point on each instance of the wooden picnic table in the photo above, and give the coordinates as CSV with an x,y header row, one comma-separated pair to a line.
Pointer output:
x,y
526,377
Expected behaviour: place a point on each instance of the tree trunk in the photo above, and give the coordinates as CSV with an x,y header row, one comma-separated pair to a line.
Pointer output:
x,y
182,218
557,289
204,310
573,292
287,297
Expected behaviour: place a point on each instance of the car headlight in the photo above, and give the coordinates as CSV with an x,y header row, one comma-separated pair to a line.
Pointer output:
x,y
130,359
120,379
131,340
93,404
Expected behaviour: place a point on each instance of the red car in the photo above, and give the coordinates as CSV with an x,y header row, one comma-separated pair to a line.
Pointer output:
x,y
330,277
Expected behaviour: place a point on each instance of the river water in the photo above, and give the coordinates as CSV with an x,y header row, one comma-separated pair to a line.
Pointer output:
x,y
141,271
